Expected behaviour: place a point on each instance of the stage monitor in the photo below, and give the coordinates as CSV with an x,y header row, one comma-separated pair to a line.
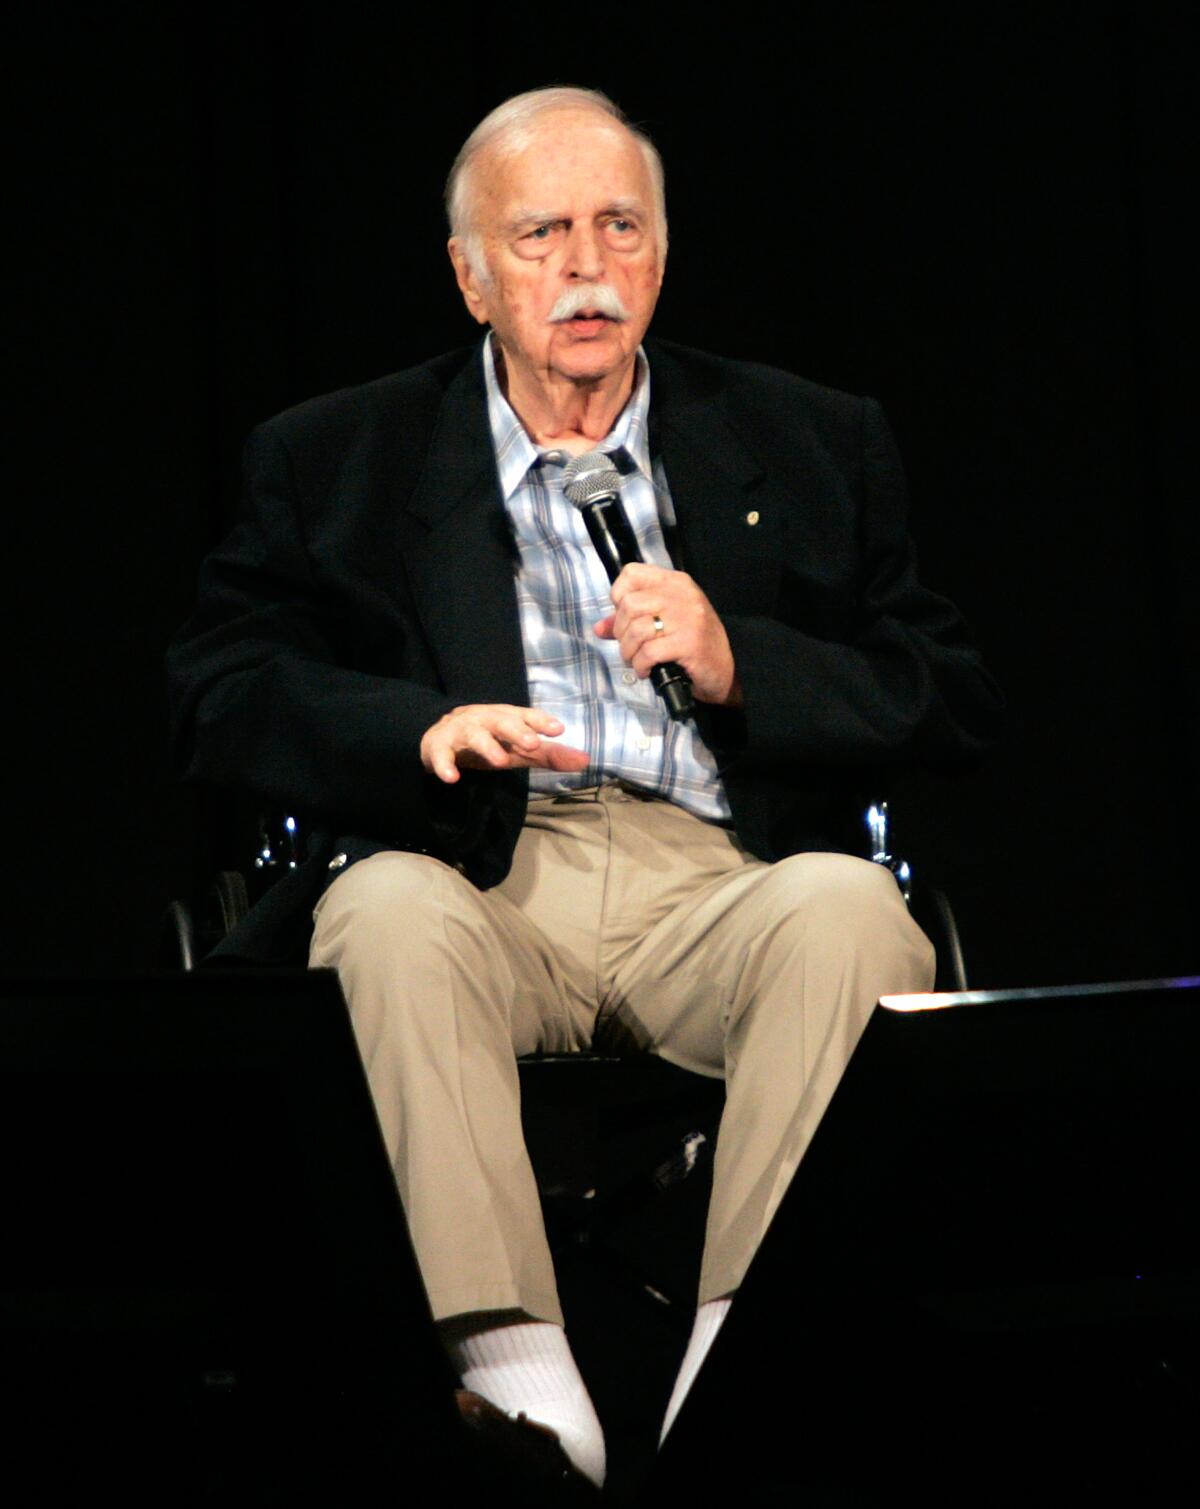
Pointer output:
x,y
983,1285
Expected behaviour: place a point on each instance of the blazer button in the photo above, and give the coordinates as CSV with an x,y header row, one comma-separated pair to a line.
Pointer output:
x,y
753,517
339,861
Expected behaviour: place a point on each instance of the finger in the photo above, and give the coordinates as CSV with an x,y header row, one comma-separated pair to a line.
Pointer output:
x,y
455,739
647,613
514,731
514,727
632,635
544,723
604,629
552,757
644,603
439,755
638,576
561,757
653,651
480,744
638,633
491,715
622,622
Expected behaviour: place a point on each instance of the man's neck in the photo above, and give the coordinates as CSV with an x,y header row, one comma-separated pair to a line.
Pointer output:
x,y
555,411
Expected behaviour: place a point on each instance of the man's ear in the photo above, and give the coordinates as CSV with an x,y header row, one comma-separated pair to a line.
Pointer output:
x,y
468,283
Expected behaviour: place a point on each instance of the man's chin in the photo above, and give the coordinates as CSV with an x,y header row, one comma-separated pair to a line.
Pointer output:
x,y
595,349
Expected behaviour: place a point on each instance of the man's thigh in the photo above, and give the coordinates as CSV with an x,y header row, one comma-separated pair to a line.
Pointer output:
x,y
806,932
409,934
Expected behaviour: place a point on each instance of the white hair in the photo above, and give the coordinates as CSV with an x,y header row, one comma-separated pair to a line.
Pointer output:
x,y
511,123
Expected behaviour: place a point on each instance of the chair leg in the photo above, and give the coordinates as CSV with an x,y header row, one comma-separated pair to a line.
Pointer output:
x,y
179,937
948,941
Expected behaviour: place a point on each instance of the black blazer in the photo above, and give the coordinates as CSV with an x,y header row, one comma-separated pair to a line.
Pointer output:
x,y
368,589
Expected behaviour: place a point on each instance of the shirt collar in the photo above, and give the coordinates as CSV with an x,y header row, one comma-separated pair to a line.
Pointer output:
x,y
516,452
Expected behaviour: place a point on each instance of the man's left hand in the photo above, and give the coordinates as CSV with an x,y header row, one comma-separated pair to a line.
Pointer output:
x,y
692,635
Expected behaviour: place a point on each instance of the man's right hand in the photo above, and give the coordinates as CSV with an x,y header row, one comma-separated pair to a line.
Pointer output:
x,y
495,736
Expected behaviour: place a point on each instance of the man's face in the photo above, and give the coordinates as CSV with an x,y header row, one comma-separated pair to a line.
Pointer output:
x,y
571,214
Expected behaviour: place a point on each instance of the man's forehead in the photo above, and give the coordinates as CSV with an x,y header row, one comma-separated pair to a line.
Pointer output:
x,y
559,146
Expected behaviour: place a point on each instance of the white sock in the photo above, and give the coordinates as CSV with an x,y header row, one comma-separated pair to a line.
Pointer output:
x,y
709,1319
526,1367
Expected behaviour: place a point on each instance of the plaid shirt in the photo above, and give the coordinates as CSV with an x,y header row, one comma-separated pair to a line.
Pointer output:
x,y
562,590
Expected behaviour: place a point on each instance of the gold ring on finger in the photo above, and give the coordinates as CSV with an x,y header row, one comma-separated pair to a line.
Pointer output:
x,y
658,624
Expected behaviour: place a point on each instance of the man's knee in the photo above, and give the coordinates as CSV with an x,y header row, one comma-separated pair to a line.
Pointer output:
x,y
835,884
410,937
392,901
386,880
851,907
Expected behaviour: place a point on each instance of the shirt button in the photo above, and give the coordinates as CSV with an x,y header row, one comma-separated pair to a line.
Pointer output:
x,y
629,677
643,743
753,517
553,457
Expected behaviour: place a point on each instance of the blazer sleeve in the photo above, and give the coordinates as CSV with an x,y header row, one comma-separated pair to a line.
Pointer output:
x,y
905,683
262,699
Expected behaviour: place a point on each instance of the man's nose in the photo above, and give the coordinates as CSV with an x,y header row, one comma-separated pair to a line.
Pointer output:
x,y
585,253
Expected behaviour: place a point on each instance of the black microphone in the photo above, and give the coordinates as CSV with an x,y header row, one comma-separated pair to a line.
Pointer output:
x,y
593,484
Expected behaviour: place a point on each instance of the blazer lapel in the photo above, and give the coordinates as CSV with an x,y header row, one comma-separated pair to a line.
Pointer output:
x,y
713,477
461,563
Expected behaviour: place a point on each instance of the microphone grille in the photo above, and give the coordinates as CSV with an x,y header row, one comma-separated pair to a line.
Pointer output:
x,y
590,476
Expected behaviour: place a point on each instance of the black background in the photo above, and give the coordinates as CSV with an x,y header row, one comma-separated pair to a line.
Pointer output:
x,y
974,213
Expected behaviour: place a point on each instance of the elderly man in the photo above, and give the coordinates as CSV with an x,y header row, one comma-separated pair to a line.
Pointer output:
x,y
411,638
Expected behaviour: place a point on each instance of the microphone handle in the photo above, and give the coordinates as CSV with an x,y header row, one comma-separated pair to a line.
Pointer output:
x,y
617,546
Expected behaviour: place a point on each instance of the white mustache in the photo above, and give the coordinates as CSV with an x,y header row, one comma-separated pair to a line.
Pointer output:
x,y
597,297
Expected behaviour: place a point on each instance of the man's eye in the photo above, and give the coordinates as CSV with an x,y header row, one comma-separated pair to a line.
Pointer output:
x,y
622,225
540,233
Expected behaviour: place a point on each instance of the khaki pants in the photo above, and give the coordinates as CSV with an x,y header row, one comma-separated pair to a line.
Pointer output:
x,y
625,921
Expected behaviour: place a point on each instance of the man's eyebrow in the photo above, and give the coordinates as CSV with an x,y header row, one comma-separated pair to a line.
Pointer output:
x,y
624,207
524,218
